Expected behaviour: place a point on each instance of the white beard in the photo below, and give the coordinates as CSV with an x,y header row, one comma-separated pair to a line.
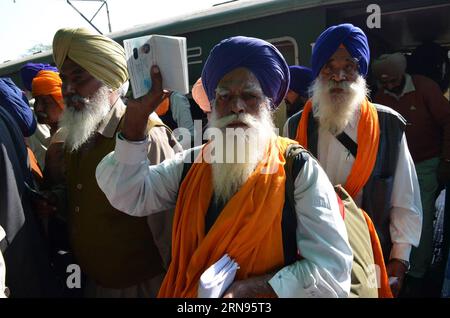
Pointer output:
x,y
229,175
335,111
81,124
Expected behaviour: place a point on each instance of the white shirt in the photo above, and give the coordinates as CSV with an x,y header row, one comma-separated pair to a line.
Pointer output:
x,y
136,188
406,206
181,114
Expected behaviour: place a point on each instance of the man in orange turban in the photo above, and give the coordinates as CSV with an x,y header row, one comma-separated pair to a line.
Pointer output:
x,y
49,103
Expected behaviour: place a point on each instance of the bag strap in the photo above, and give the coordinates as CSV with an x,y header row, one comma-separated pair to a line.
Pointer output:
x,y
348,143
294,164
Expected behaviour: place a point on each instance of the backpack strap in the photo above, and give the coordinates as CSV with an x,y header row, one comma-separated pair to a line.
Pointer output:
x,y
295,160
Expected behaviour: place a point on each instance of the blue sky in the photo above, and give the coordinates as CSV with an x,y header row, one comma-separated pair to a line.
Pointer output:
x,y
25,23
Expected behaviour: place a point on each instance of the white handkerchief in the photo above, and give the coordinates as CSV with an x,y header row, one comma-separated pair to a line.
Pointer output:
x,y
217,278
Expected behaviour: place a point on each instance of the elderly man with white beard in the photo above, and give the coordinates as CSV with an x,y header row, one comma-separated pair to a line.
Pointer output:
x,y
228,205
361,145
122,256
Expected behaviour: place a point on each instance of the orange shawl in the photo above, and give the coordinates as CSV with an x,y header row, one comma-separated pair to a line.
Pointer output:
x,y
34,166
368,137
384,290
248,229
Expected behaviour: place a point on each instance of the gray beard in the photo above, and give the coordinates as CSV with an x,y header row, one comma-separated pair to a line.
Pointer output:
x,y
82,124
334,114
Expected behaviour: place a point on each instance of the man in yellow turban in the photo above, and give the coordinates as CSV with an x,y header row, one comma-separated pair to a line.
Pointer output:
x,y
122,256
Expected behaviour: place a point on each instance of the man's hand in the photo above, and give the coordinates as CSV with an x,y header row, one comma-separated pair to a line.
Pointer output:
x,y
250,288
396,271
45,203
138,110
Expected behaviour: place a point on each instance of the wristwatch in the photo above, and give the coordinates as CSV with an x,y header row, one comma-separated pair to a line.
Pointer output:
x,y
406,263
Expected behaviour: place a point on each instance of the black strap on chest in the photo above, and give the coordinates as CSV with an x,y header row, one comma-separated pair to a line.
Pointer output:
x,y
348,143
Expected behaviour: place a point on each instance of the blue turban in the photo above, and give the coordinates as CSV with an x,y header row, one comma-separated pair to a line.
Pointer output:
x,y
30,70
354,40
260,57
301,79
13,100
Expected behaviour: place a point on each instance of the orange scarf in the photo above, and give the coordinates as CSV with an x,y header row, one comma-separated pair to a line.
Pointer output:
x,y
368,138
384,291
248,229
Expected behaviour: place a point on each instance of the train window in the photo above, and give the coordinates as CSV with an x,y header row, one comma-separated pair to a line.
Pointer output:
x,y
288,47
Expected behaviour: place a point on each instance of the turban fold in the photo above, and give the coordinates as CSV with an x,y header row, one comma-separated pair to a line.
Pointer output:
x,y
30,70
389,65
13,100
199,95
48,83
259,56
354,40
301,79
102,57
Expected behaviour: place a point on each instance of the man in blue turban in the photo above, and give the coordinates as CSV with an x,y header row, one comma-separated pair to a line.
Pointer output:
x,y
297,95
233,195
361,145
29,71
16,103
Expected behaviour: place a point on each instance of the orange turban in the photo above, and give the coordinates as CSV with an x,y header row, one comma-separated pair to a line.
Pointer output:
x,y
48,83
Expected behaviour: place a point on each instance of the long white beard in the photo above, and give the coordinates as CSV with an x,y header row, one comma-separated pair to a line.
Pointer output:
x,y
81,124
232,172
334,112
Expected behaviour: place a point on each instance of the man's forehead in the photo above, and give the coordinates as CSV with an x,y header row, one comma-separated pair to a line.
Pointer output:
x,y
341,54
69,67
241,77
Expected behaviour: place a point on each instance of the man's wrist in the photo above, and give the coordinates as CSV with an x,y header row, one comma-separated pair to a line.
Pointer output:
x,y
402,261
136,142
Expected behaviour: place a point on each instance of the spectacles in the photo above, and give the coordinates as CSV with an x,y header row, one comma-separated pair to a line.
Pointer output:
x,y
350,68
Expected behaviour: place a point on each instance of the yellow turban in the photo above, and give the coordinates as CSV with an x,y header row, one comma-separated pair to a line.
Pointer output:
x,y
102,57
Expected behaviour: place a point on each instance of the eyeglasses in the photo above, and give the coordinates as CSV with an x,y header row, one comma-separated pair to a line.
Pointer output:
x,y
350,68
249,98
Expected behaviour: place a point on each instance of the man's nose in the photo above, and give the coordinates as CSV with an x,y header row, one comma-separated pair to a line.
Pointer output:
x,y
38,107
68,89
237,105
339,76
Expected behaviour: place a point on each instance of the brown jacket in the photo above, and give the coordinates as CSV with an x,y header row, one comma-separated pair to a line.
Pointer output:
x,y
427,113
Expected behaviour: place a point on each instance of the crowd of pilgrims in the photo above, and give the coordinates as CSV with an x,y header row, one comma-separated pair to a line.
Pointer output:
x,y
103,195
